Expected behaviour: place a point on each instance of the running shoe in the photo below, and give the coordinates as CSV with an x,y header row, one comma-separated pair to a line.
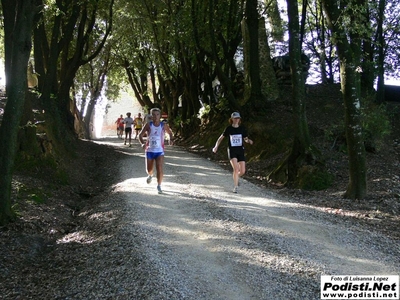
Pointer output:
x,y
159,189
149,178
235,189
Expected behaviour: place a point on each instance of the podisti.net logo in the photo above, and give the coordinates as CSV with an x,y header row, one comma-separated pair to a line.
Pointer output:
x,y
360,287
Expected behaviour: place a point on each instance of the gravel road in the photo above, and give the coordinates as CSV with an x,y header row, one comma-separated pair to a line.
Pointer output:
x,y
198,240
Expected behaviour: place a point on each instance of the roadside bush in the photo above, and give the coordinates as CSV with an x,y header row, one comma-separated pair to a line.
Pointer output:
x,y
376,124
204,112
375,121
313,179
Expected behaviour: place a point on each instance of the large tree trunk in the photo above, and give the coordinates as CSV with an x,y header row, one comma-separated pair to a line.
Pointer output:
x,y
303,153
350,58
18,21
97,80
46,63
27,139
298,80
367,58
58,56
357,187
380,89
253,96
89,117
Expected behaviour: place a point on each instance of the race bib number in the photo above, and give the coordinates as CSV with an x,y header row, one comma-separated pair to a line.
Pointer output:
x,y
236,140
154,142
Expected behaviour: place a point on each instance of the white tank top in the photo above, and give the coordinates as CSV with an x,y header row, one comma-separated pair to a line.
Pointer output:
x,y
155,140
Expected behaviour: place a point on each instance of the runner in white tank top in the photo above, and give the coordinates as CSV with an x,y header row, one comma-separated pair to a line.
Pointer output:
x,y
155,139
154,146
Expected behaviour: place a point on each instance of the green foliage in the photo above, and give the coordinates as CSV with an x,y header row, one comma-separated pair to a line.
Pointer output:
x,y
276,137
15,210
376,123
393,113
30,195
314,179
62,176
332,132
37,198
336,136
46,165
204,112
178,122
223,104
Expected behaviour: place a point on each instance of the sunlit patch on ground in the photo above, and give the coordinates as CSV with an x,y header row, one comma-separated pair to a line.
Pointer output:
x,y
81,237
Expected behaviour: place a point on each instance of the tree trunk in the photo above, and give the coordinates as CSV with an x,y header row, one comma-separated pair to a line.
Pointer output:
x,y
380,89
269,84
27,140
253,96
87,120
357,187
58,54
18,22
298,82
367,58
46,62
303,152
348,45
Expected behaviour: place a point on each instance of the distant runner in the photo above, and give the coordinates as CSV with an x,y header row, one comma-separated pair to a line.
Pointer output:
x,y
120,126
128,121
138,124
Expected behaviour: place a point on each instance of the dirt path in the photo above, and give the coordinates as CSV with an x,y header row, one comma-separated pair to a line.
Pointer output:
x,y
198,240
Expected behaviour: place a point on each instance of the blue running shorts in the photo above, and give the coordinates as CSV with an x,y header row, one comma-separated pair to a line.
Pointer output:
x,y
153,155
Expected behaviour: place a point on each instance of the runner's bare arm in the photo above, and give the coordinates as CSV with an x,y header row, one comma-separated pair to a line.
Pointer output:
x,y
142,132
215,149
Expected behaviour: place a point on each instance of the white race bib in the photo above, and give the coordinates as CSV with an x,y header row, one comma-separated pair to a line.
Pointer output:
x,y
154,142
236,140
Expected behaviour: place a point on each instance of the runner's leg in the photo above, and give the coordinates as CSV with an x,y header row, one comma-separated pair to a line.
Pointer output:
x,y
149,166
242,168
160,169
236,170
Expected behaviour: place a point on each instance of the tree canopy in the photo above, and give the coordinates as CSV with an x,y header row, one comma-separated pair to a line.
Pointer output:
x,y
183,56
